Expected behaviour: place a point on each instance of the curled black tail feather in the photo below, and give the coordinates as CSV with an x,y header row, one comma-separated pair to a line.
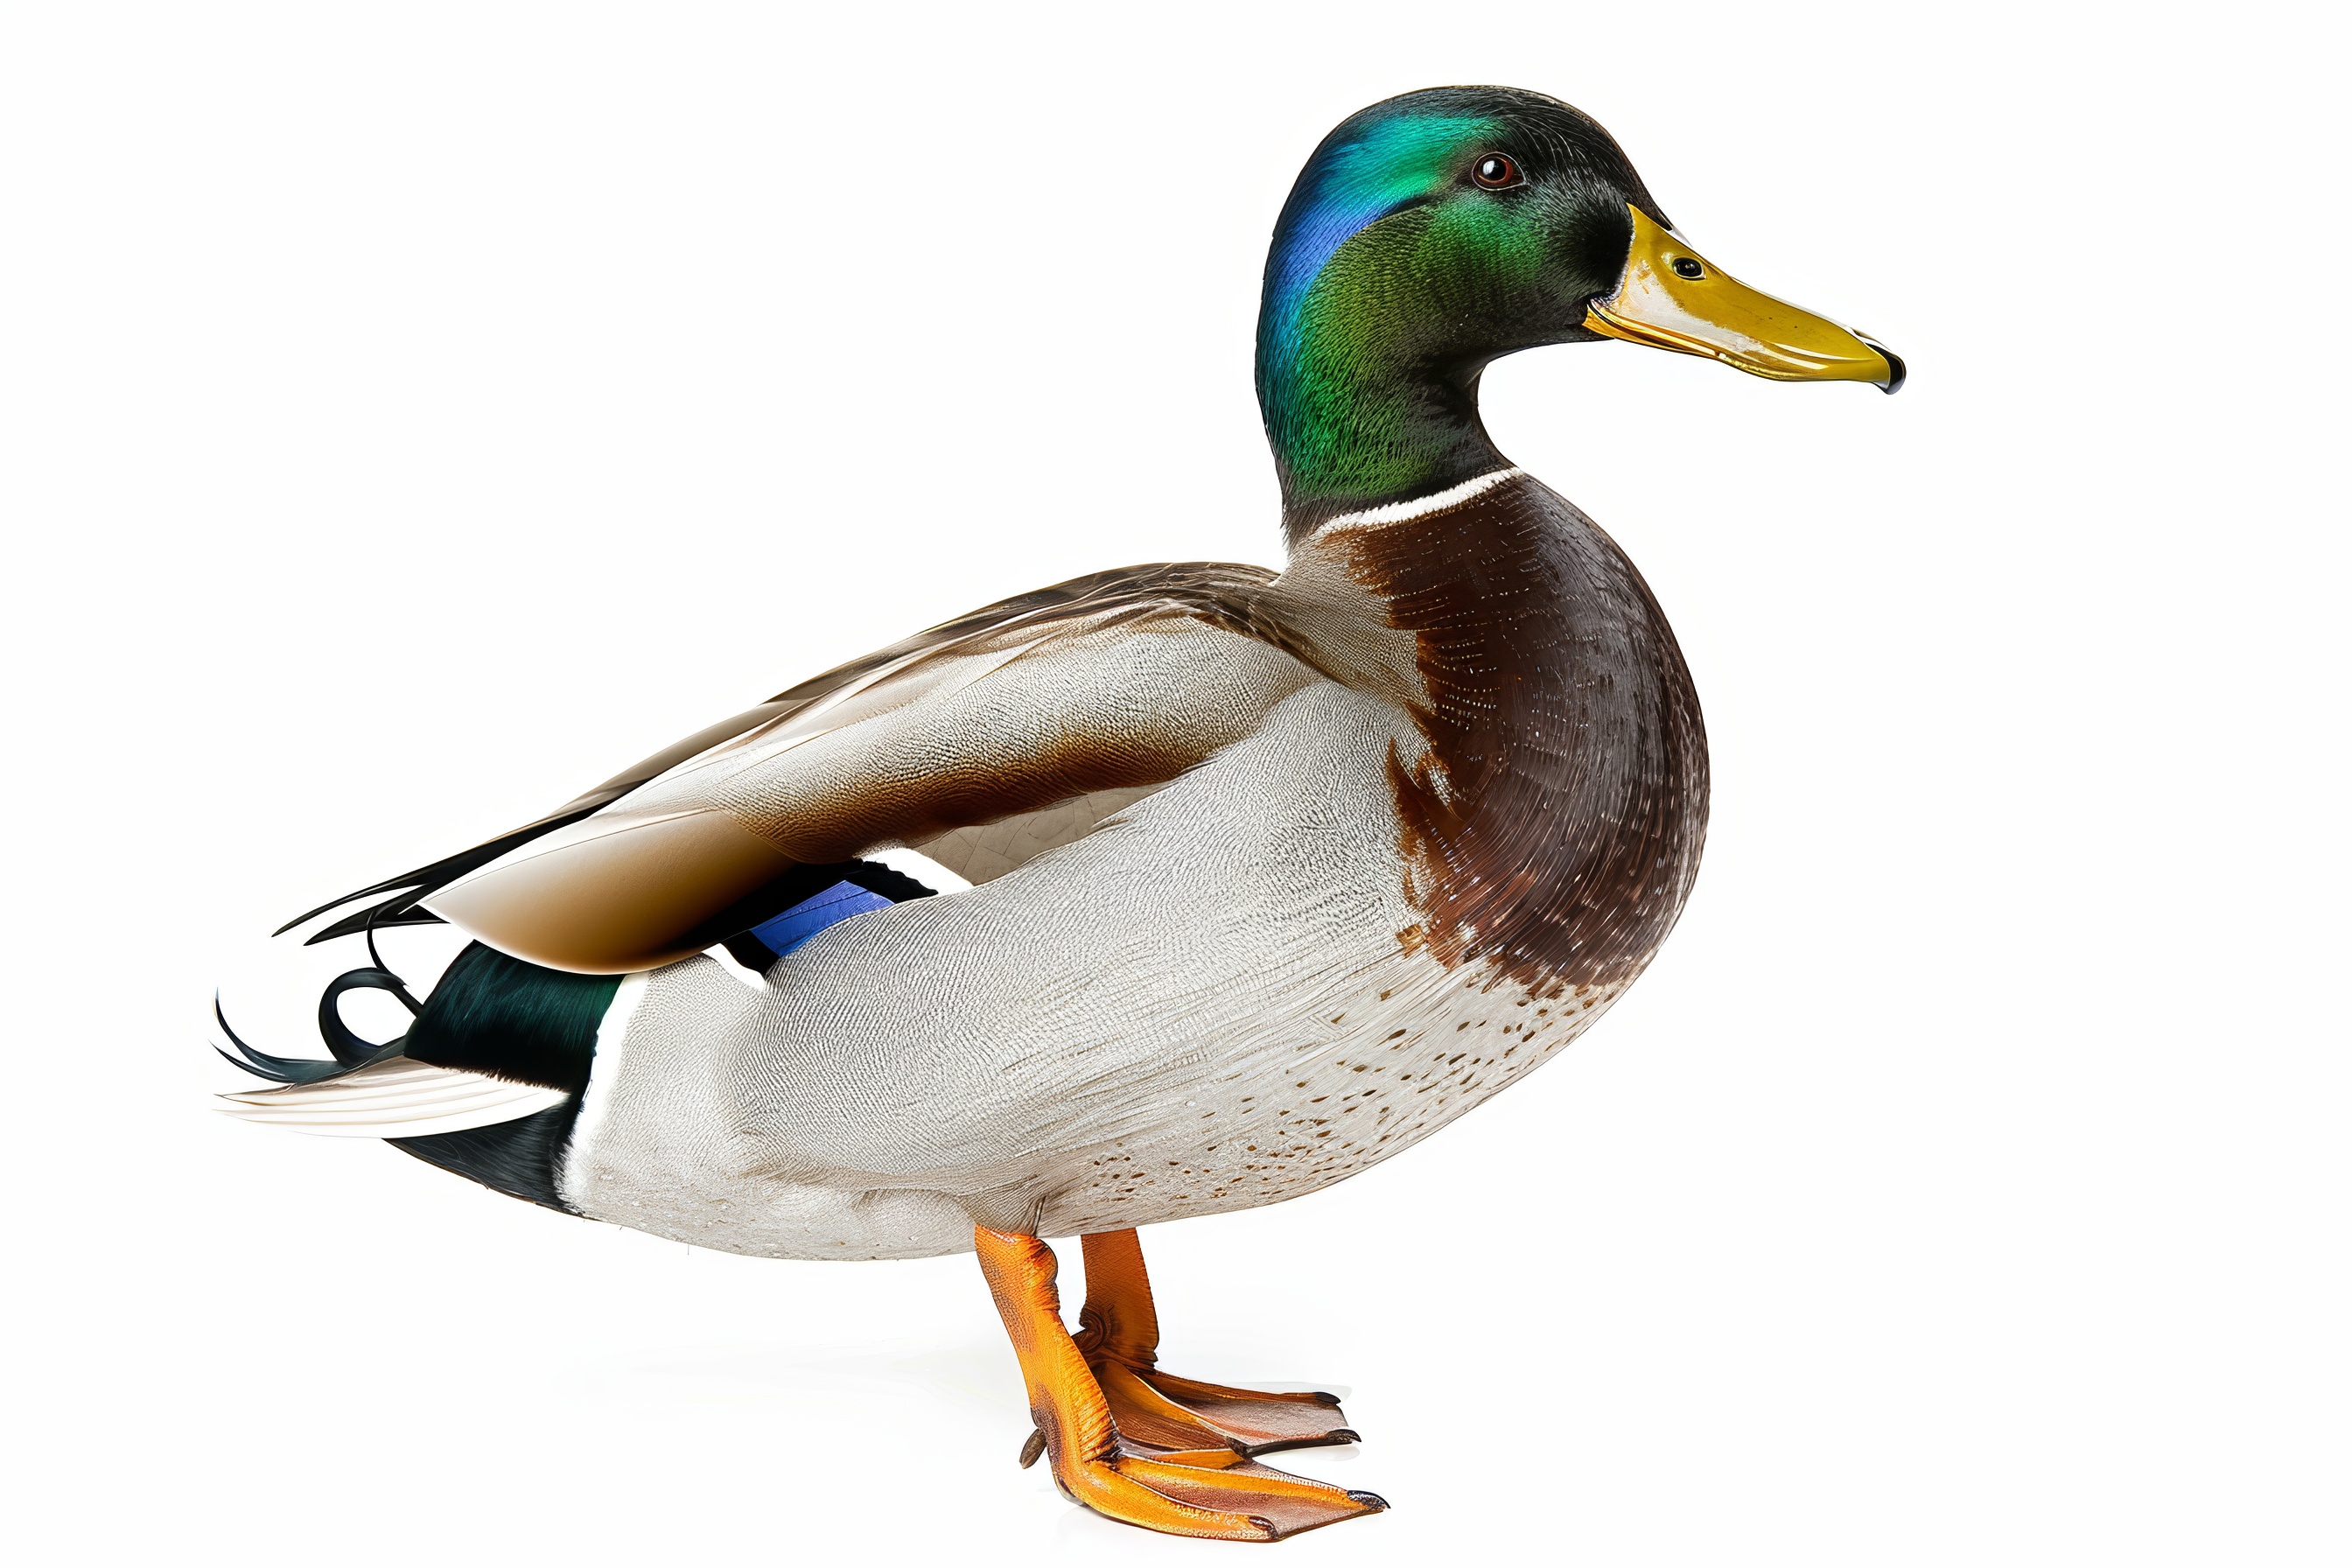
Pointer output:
x,y
277,1070
490,1015
348,1049
350,1052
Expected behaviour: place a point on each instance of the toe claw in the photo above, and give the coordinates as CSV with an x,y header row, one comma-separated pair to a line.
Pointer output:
x,y
1162,1410
1033,1448
1285,1504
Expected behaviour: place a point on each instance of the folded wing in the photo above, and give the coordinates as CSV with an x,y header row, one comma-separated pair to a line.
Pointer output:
x,y
983,742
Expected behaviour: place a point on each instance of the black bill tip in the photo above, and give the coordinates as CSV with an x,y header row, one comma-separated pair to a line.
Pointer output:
x,y
1894,382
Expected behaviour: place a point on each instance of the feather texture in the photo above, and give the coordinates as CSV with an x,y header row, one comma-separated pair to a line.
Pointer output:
x,y
395,1099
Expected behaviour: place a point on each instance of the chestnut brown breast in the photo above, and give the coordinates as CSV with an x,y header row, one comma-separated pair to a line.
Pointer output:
x,y
1555,825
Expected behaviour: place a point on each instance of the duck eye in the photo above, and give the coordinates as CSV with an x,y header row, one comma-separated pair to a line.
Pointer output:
x,y
1688,267
1495,172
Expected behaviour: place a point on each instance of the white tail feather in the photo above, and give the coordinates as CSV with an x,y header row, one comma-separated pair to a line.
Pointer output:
x,y
397,1098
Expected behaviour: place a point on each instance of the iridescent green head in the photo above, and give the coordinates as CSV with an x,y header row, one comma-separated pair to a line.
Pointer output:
x,y
1428,236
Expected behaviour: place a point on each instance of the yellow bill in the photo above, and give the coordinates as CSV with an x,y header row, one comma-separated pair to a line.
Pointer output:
x,y
1670,296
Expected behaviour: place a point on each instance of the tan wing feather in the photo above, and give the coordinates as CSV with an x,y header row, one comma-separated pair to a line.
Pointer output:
x,y
1046,714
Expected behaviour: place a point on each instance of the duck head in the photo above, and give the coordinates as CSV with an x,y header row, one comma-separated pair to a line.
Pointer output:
x,y
1433,233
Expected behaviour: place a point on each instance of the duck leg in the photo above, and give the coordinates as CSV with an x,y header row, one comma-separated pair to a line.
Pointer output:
x,y
1119,1337
1216,1493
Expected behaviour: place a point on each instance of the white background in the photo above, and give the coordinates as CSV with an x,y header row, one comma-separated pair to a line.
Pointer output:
x,y
413,413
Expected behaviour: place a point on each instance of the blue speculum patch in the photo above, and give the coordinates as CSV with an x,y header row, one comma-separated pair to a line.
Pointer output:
x,y
810,916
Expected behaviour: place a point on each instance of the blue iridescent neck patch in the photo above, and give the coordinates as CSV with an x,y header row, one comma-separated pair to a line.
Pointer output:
x,y
1353,185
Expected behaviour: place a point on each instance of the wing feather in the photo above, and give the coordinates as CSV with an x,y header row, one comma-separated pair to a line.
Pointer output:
x,y
1042,715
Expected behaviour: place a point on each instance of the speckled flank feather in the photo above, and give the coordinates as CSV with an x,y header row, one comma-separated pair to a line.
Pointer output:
x,y
1296,957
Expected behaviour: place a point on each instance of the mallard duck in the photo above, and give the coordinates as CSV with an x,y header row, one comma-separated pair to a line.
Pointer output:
x,y
1166,892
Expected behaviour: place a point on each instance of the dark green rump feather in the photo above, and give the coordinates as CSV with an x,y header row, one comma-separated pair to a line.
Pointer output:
x,y
496,1014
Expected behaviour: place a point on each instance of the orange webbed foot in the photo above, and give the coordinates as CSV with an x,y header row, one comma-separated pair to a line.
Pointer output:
x,y
1172,1480
1119,1336
1164,1411
1210,1492
1216,1493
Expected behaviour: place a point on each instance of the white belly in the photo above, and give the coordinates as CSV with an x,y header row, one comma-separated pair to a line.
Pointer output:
x,y
1204,1005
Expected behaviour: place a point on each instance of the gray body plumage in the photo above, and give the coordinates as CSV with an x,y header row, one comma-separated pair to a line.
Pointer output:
x,y
1201,1006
